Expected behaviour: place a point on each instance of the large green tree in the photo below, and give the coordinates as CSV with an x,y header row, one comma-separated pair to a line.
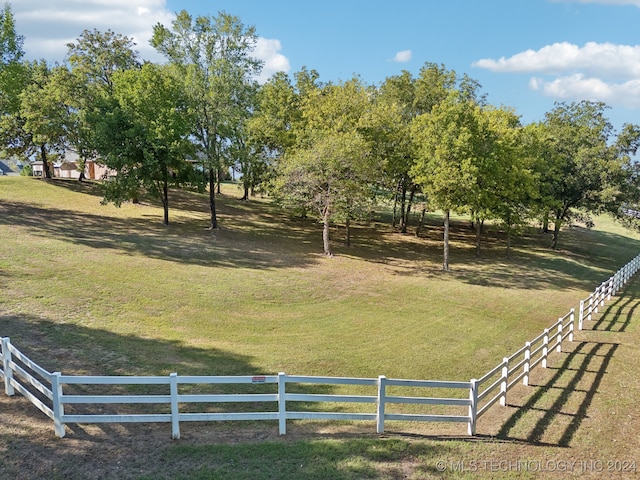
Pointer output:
x,y
330,169
15,76
584,164
144,136
214,58
447,147
94,59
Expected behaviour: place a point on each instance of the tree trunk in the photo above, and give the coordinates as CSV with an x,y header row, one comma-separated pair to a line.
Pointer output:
x,y
556,233
478,225
245,197
165,201
394,221
212,199
421,222
347,240
46,173
545,222
445,256
325,233
509,241
407,209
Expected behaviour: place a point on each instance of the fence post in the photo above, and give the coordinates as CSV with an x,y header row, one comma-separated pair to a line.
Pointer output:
x,y
473,406
527,363
590,316
175,412
505,381
58,407
559,336
282,404
545,347
581,315
382,388
571,323
6,361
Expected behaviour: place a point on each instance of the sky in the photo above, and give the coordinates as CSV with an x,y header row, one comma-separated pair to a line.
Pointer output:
x,y
526,54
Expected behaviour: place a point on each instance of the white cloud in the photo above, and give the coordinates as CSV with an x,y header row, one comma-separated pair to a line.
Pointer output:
x,y
49,26
268,50
578,87
403,56
605,59
596,71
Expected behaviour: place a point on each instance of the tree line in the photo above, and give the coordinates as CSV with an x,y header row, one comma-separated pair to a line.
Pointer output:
x,y
329,150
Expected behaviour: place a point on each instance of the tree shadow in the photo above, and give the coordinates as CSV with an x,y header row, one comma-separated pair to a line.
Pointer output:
x,y
532,264
77,350
554,412
186,243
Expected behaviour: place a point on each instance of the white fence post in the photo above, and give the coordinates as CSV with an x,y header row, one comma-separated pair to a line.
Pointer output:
x,y
282,404
505,381
545,347
382,388
473,406
559,336
175,412
58,407
572,321
527,363
8,373
581,315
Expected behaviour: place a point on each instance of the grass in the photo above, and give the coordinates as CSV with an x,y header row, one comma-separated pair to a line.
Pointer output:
x,y
93,289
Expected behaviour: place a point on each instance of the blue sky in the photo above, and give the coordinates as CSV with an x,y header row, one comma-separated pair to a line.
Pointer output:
x,y
526,54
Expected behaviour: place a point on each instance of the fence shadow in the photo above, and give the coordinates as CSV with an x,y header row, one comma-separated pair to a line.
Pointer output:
x,y
618,314
554,412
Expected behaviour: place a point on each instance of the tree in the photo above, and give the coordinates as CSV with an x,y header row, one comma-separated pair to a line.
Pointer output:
x,y
10,42
446,143
144,137
416,96
15,75
95,58
41,116
214,58
330,169
508,182
585,164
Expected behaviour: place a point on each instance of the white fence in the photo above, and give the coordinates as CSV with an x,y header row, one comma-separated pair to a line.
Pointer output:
x,y
455,401
606,290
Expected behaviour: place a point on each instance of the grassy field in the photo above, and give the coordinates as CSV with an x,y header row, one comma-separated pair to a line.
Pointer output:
x,y
93,289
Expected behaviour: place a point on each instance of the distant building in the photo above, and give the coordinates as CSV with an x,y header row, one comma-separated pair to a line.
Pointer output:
x,y
68,168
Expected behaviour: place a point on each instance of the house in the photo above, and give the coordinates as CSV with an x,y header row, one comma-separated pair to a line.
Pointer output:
x,y
67,167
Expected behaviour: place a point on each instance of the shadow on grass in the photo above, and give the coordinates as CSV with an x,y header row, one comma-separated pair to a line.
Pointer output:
x,y
557,408
77,350
184,243
206,450
618,314
344,458
258,235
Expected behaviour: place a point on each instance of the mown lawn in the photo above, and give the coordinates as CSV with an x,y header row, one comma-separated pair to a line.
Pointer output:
x,y
93,289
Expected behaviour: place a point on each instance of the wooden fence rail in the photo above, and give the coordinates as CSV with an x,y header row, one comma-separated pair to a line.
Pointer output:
x,y
50,393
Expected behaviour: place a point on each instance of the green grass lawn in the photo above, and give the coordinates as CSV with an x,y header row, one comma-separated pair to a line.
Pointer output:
x,y
87,288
